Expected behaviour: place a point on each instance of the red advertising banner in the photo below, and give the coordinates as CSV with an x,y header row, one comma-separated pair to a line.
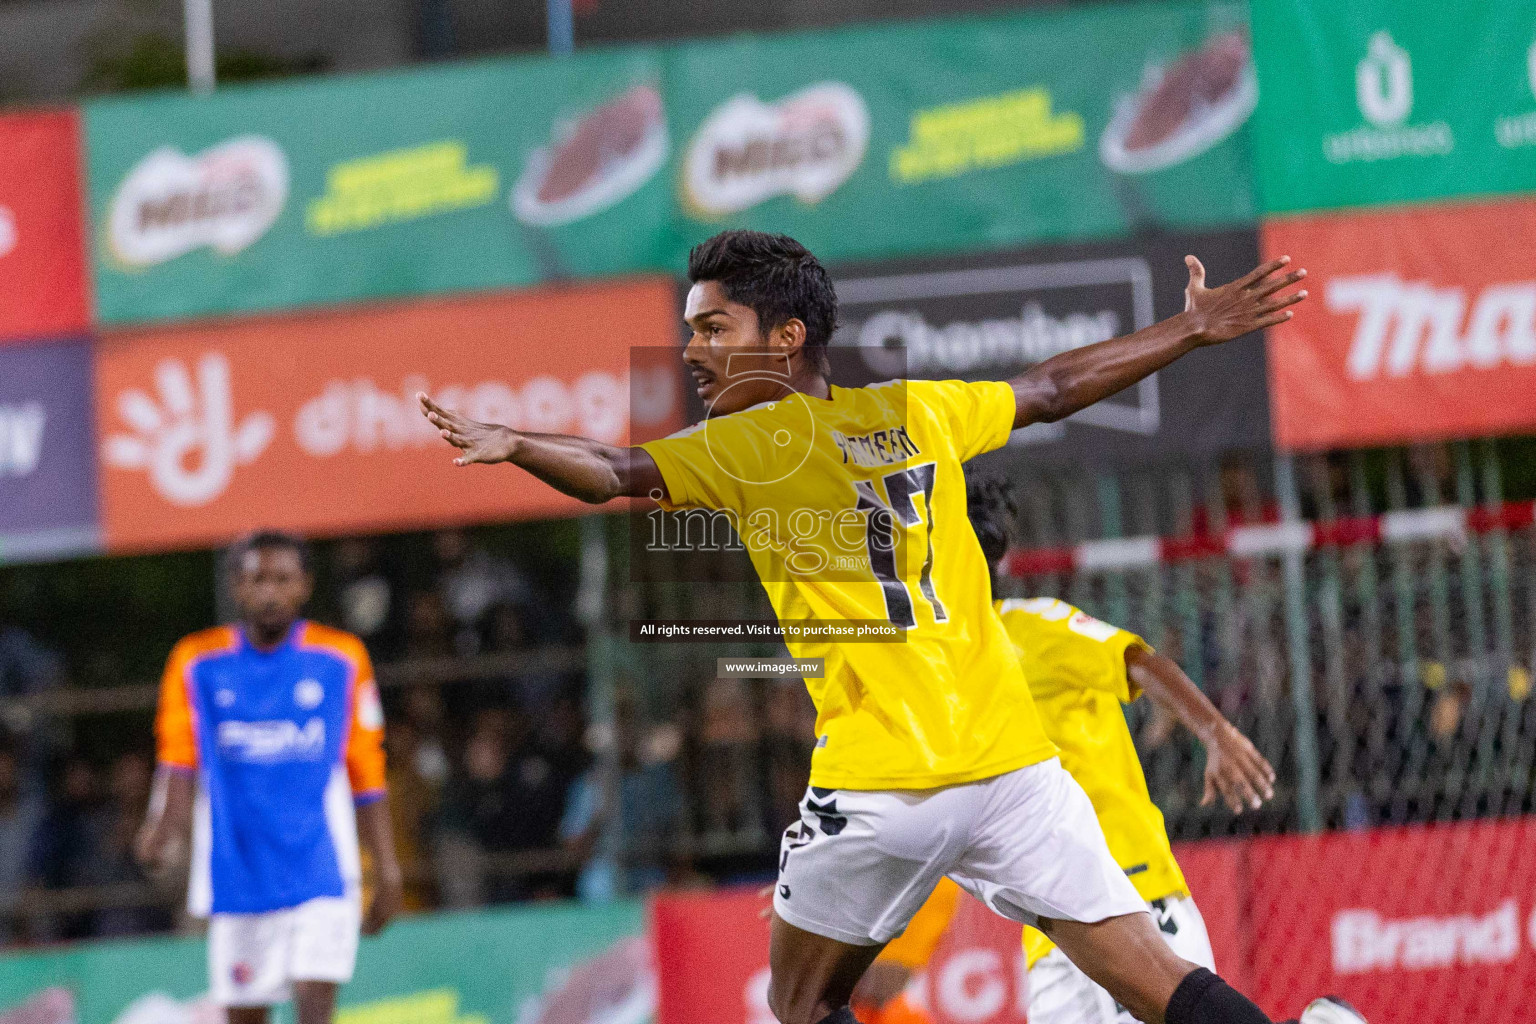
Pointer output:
x,y
1422,325
1217,874
1410,924
977,972
976,975
42,255
311,424
711,957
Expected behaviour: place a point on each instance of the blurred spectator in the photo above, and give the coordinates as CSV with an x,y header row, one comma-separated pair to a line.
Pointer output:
x,y
1239,498
128,790
20,814
69,845
413,801
364,596
506,632
789,730
428,627
728,758
472,581
650,811
28,668
424,714
1447,711
561,728
475,812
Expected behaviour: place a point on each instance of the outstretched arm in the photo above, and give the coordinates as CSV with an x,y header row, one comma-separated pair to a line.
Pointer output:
x,y
1074,380
579,466
1234,768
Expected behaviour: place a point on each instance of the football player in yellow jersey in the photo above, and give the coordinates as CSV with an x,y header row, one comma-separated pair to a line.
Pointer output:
x,y
930,759
1080,672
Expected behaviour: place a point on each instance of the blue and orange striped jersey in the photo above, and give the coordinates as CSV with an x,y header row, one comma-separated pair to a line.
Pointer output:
x,y
283,742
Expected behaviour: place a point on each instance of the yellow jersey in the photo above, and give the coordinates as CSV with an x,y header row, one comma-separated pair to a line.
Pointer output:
x,y
1075,665
853,508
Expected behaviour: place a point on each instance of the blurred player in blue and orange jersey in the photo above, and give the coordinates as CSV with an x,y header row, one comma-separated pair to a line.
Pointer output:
x,y
275,725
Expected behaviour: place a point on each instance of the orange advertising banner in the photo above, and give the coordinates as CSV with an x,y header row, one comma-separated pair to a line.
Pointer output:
x,y
1421,326
310,423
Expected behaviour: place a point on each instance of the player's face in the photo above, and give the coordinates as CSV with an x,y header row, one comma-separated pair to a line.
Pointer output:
x,y
271,588
734,362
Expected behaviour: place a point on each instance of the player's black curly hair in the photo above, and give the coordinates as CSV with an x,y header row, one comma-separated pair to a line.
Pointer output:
x,y
777,278
265,540
989,500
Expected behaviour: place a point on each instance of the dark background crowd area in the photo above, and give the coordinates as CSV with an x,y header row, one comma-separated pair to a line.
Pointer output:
x,y
496,777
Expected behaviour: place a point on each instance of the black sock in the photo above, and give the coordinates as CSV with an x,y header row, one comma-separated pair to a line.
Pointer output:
x,y
1203,998
843,1016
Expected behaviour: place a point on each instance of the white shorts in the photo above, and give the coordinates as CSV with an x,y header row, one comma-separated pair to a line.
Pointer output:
x,y
254,959
1059,993
858,864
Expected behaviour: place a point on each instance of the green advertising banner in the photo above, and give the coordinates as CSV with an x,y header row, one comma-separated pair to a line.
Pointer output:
x,y
866,143
541,965
484,175
1390,101
975,134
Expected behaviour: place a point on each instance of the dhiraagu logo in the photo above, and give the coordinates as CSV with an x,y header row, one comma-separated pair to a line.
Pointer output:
x,y
401,185
187,435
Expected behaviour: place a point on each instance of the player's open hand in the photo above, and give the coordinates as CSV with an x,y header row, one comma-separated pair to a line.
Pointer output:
x,y
480,442
1236,770
1254,301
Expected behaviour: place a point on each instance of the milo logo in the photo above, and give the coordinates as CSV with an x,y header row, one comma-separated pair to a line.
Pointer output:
x,y
747,151
225,197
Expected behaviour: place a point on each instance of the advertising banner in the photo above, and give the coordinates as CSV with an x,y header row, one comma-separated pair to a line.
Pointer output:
x,y
47,451
991,317
1422,326
1386,101
940,136
976,975
42,253
700,977
1400,922
864,143
311,423
545,965
460,178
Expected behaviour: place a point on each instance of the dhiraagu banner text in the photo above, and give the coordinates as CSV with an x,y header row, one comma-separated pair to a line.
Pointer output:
x,y
1388,101
543,965
452,179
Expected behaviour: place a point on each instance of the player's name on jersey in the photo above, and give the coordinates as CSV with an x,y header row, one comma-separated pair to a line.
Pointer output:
x,y
880,448
868,631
